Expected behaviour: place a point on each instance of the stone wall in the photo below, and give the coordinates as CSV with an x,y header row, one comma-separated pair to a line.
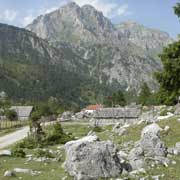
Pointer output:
x,y
104,122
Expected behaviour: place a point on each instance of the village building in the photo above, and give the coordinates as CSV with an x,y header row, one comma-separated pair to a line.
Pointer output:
x,y
23,112
110,116
93,108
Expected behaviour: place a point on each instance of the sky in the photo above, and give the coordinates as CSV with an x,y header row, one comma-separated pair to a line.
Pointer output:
x,y
156,14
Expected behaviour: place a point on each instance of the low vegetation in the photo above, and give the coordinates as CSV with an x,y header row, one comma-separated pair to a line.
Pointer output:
x,y
55,170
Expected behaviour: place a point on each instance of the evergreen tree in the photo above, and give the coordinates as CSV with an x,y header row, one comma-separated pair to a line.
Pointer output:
x,y
169,78
177,9
117,98
145,95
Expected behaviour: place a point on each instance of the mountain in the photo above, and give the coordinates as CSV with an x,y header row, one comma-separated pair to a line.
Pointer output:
x,y
74,24
122,56
144,37
31,69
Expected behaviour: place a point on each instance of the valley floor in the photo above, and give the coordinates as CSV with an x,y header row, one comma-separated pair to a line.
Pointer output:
x,y
55,171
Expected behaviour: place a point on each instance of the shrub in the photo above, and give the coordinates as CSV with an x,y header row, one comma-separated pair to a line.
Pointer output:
x,y
11,115
29,143
43,153
163,113
57,135
35,116
18,152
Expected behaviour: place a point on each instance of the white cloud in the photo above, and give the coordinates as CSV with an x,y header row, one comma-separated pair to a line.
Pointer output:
x,y
122,10
109,8
49,10
8,15
27,20
32,14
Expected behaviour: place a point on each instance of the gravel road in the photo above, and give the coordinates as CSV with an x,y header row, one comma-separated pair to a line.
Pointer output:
x,y
12,138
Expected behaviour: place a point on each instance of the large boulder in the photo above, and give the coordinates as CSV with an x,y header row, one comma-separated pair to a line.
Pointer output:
x,y
152,129
90,159
151,142
150,147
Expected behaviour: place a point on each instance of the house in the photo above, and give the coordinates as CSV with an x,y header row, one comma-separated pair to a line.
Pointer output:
x,y
92,108
23,112
123,115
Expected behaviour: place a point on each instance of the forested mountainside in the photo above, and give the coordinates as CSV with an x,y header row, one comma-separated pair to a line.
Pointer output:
x,y
31,69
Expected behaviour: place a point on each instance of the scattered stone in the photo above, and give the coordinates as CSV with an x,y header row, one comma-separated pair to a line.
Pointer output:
x,y
27,171
66,116
178,120
174,162
169,115
9,174
88,158
91,133
119,129
135,172
122,154
167,129
5,153
155,177
170,150
64,178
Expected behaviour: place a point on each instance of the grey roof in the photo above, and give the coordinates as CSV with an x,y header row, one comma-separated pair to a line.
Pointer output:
x,y
117,113
22,111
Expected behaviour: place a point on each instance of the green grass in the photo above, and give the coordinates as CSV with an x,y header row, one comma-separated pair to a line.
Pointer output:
x,y
174,134
171,173
55,171
49,171
77,130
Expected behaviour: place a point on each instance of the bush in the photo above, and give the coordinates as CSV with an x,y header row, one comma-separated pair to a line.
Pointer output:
x,y
163,113
18,152
29,143
54,135
35,116
11,115
57,135
43,153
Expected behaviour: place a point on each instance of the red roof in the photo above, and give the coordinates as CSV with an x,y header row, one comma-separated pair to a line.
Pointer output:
x,y
94,107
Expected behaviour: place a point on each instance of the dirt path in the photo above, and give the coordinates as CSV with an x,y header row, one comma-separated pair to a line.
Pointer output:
x,y
12,138
16,136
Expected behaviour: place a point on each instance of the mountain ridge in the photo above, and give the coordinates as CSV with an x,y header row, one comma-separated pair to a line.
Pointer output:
x,y
77,55
83,28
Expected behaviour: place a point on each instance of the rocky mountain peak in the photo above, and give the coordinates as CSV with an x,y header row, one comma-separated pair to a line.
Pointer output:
x,y
144,37
71,5
72,23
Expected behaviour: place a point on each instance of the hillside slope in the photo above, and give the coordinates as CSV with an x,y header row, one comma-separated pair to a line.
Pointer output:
x,y
31,69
